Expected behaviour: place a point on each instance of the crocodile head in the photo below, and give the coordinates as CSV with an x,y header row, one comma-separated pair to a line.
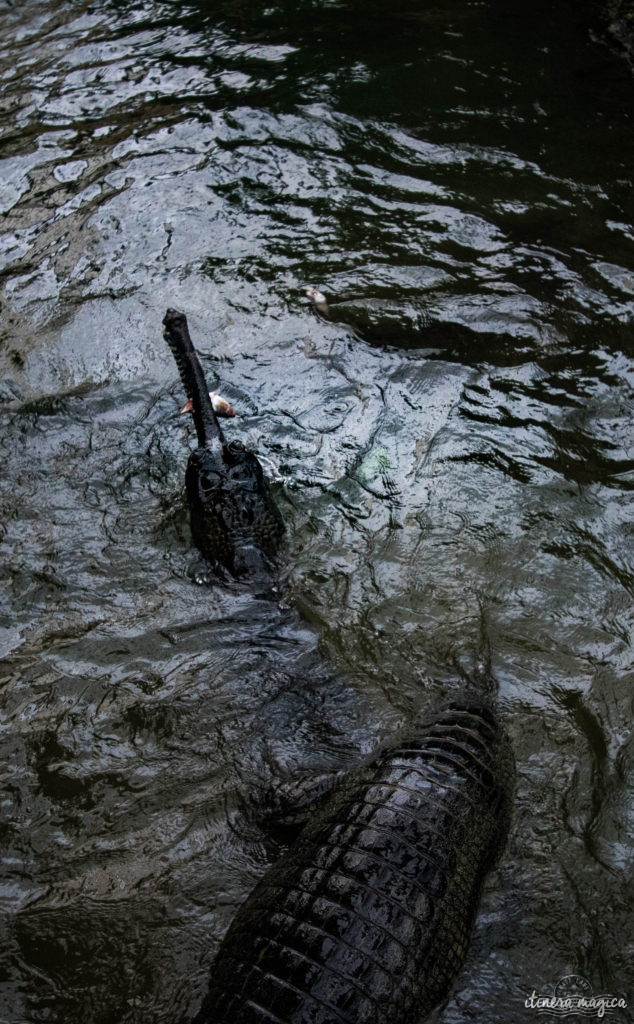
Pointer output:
x,y
235,521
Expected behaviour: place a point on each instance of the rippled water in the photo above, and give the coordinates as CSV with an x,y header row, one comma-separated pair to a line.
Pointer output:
x,y
452,447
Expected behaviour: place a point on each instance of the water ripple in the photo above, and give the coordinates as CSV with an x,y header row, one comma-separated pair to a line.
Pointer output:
x,y
452,440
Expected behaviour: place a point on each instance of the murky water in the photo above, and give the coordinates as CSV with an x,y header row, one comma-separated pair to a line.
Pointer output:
x,y
453,446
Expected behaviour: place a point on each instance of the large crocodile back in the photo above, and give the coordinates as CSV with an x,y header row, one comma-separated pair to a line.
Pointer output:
x,y
366,919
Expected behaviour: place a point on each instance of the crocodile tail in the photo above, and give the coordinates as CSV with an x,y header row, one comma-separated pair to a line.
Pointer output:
x,y
176,334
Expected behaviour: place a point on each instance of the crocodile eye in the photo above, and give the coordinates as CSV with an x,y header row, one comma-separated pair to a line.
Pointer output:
x,y
208,483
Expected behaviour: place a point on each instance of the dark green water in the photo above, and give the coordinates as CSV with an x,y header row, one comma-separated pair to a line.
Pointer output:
x,y
455,444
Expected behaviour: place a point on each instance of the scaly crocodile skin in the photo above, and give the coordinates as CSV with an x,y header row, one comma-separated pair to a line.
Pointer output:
x,y
235,521
367,918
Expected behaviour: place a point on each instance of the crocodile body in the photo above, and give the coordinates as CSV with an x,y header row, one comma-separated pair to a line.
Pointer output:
x,y
234,519
367,918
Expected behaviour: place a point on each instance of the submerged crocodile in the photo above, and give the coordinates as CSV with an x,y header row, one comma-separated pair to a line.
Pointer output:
x,y
234,519
367,918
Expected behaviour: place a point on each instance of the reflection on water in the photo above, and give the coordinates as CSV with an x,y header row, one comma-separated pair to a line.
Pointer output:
x,y
453,440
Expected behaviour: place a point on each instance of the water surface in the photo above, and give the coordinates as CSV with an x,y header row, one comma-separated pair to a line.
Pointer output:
x,y
452,448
